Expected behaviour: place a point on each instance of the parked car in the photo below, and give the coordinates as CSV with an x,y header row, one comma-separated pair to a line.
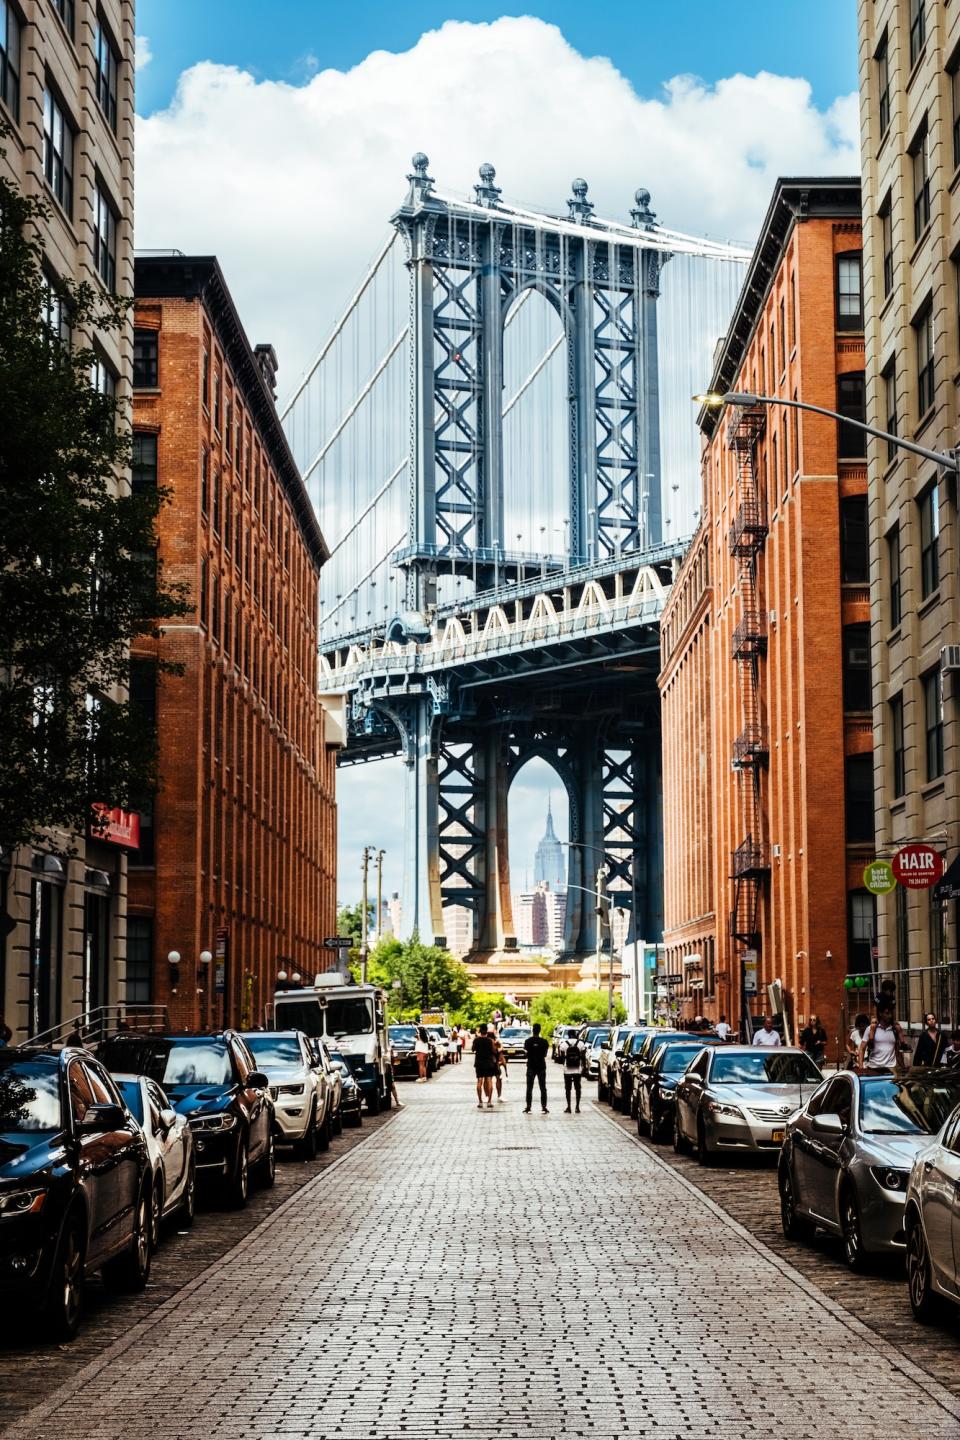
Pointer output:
x,y
74,1185
212,1080
653,1043
351,1101
848,1155
301,1090
402,1040
932,1224
603,1043
440,1036
656,1085
320,1051
173,1165
513,1038
736,1098
616,1074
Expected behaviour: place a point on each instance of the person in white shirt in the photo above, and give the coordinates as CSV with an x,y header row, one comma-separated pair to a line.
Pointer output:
x,y
722,1028
883,1047
766,1035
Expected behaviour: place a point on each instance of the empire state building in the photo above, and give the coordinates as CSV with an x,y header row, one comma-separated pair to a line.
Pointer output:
x,y
549,868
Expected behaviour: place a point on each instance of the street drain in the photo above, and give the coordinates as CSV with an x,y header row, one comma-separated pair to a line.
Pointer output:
x,y
502,1148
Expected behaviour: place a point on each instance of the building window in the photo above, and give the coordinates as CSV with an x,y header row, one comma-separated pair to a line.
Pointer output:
x,y
205,382
854,566
886,243
859,799
920,159
10,58
898,746
64,9
890,397
933,721
216,501
862,913
850,291
103,377
104,239
204,480
58,150
56,311
883,84
145,360
216,401
953,70
144,461
925,370
851,403
857,688
918,29
938,930
896,591
901,921
139,960
783,338
929,540
107,63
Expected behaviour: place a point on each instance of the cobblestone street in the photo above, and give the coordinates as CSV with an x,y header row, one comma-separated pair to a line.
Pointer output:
x,y
497,1274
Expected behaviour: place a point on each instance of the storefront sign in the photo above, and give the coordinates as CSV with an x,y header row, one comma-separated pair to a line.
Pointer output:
x,y
221,946
115,826
749,972
918,866
879,878
949,886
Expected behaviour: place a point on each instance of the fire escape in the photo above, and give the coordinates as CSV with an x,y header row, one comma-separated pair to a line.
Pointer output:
x,y
750,861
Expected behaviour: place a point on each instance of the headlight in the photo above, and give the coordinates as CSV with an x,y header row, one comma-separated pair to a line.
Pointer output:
x,y
213,1122
715,1108
21,1202
289,1089
890,1179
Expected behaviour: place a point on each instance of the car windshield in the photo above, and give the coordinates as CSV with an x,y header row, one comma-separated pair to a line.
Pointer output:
x,y
596,1033
132,1098
349,1016
29,1097
677,1058
343,1015
764,1069
190,1060
889,1106
403,1032
515,1034
273,1050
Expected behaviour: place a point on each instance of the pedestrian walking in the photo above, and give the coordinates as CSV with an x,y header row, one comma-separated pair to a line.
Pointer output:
x,y
574,1060
502,1067
855,1039
813,1039
536,1048
883,1047
766,1035
951,1054
932,1043
485,1066
421,1049
398,1103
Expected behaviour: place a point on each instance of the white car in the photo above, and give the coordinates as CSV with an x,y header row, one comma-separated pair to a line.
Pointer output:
x,y
301,1090
170,1147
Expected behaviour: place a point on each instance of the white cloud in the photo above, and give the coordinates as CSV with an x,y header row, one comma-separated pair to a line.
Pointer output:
x,y
142,52
292,185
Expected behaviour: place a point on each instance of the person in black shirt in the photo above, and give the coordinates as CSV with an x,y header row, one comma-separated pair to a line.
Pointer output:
x,y
574,1058
536,1048
485,1065
931,1045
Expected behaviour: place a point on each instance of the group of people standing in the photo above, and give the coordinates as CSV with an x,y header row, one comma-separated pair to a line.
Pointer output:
x,y
490,1064
880,1046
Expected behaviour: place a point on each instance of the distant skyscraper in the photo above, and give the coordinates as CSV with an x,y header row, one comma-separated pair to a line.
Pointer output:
x,y
548,867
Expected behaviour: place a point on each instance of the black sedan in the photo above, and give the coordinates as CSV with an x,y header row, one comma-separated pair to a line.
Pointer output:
x,y
212,1080
74,1185
351,1100
403,1039
657,1084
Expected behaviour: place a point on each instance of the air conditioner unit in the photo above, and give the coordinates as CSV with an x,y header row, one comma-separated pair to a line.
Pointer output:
x,y
949,659
773,617
775,851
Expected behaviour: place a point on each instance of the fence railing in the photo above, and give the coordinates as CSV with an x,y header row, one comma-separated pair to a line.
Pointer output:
x,y
93,1026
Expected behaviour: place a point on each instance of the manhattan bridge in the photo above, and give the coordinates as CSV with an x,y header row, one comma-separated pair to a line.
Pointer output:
x,y
499,441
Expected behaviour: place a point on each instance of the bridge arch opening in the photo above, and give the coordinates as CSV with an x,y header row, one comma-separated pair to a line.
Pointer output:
x,y
536,429
538,827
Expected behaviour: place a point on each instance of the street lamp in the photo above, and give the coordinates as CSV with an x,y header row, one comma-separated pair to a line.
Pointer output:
x,y
173,960
714,400
203,984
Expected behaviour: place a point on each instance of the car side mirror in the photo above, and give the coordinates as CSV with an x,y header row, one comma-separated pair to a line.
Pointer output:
x,y
256,1080
828,1125
101,1118
168,1118
604,1044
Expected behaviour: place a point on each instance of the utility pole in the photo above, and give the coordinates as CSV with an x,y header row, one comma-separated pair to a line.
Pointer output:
x,y
378,933
364,920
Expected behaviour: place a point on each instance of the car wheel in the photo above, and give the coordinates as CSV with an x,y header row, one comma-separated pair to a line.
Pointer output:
x,y
267,1167
156,1214
323,1134
188,1205
705,1156
338,1121
131,1270
308,1145
794,1225
660,1129
680,1142
387,1100
373,1102
238,1186
602,1092
61,1314
356,1119
853,1251
926,1304
642,1127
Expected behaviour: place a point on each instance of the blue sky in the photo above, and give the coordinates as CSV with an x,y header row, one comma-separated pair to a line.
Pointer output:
x,y
648,40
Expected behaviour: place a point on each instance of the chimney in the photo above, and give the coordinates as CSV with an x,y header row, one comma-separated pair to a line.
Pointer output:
x,y
266,358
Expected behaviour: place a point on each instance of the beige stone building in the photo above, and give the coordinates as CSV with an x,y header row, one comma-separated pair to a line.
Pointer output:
x,y
66,96
910,133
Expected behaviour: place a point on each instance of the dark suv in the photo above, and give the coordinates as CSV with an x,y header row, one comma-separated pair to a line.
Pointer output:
x,y
213,1080
74,1185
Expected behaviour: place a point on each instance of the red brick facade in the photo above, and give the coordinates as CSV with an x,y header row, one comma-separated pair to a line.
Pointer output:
x,y
760,723
244,834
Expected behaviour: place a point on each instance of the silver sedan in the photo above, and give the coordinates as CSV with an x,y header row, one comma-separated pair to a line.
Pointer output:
x,y
739,1098
848,1153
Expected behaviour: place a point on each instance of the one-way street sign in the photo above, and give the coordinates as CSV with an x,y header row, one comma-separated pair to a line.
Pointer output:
x,y
337,942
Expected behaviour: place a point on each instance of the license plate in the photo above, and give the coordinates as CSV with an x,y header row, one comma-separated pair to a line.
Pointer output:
x,y
778,1135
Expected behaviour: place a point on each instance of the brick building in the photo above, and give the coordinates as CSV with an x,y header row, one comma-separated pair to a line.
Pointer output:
x,y
239,859
66,94
769,739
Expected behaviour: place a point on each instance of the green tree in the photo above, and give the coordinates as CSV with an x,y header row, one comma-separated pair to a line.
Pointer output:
x,y
350,922
78,571
566,1007
479,1007
428,977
